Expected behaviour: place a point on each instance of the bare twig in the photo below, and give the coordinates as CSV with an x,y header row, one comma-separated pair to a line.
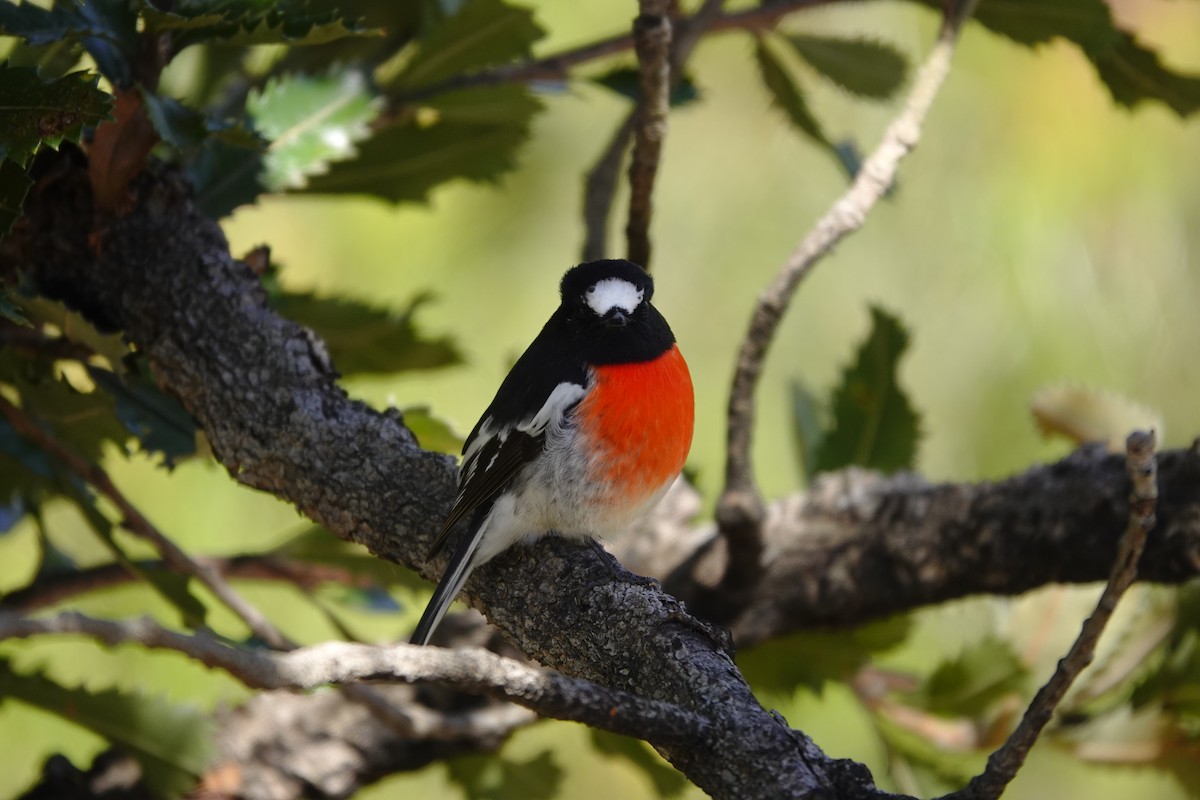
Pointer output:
x,y
140,526
1003,764
473,670
652,42
740,508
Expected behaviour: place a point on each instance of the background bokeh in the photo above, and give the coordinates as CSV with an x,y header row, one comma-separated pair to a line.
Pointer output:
x,y
1039,235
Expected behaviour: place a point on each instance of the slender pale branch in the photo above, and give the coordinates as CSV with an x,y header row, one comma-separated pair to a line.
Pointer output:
x,y
740,508
1002,765
652,42
472,670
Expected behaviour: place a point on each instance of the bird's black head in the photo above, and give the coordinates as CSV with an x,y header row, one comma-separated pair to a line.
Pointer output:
x,y
611,292
606,312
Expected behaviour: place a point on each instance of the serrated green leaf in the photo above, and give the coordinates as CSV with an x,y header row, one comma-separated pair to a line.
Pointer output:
x,y
786,94
480,33
226,176
806,426
15,184
34,112
170,742
250,22
472,134
311,122
968,684
433,433
486,777
52,60
813,658
158,421
362,338
1088,23
1133,74
626,82
864,67
38,25
874,425
187,129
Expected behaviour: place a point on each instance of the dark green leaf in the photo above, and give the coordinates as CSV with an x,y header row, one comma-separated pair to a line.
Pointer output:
x,y
83,421
159,422
311,122
171,743
866,68
39,26
625,81
113,41
668,781
786,94
806,424
250,22
812,658
472,134
433,433
14,185
35,112
362,338
874,425
480,33
486,777
968,684
1088,23
9,310
187,129
1134,74
226,176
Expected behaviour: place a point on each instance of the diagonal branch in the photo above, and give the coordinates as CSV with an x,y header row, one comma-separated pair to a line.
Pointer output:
x,y
472,670
1002,765
740,509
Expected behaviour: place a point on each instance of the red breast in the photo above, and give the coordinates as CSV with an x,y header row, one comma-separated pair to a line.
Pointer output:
x,y
638,420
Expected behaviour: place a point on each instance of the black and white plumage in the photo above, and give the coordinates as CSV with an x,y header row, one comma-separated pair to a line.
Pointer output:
x,y
529,467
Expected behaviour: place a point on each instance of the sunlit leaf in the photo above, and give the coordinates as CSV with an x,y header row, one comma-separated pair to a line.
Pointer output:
x,y
158,421
311,122
480,33
867,68
363,338
874,425
171,743
249,22
472,134
34,112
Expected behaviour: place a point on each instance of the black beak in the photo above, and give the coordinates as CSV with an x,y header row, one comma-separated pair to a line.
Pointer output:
x,y
616,318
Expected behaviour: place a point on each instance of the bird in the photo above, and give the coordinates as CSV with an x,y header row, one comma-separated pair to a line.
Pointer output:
x,y
586,433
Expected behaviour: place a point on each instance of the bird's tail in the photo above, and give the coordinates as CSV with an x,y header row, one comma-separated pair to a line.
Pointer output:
x,y
461,564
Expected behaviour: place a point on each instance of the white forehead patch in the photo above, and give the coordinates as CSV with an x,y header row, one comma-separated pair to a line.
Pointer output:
x,y
613,293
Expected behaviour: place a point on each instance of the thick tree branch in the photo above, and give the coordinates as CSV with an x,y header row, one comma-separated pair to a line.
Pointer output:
x,y
472,670
265,395
740,508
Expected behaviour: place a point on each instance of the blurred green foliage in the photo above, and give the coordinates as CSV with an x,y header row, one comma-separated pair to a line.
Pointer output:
x,y
1041,234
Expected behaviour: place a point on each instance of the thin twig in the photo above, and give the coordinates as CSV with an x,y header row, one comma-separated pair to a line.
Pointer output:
x,y
472,670
204,571
740,508
652,42
1002,765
